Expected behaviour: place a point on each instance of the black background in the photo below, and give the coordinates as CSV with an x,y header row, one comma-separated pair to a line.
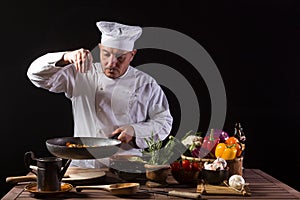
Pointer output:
x,y
254,43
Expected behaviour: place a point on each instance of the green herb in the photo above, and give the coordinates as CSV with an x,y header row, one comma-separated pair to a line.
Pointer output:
x,y
163,155
153,150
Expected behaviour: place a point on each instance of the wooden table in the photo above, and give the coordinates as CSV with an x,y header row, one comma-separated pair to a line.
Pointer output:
x,y
262,186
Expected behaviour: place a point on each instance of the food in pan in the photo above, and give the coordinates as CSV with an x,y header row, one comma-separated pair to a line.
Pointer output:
x,y
73,145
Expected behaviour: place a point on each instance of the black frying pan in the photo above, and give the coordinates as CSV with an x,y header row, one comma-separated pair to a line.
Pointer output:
x,y
96,147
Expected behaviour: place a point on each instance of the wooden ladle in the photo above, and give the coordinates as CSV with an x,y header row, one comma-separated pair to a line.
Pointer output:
x,y
115,189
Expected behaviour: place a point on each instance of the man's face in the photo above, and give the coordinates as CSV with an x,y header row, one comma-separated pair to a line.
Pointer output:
x,y
115,62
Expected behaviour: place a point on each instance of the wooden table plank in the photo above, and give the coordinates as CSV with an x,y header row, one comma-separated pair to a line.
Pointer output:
x,y
14,193
271,187
279,183
262,186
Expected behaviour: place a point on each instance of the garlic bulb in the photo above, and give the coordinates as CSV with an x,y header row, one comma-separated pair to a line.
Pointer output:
x,y
236,181
218,164
221,163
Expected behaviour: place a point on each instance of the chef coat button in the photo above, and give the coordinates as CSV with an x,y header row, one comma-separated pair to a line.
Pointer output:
x,y
101,88
99,109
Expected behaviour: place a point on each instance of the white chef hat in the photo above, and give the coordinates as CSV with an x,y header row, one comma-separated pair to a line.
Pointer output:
x,y
119,36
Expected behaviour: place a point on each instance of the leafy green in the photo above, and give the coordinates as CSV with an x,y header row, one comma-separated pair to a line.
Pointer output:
x,y
160,155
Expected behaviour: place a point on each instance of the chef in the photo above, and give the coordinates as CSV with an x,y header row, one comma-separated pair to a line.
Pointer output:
x,y
110,98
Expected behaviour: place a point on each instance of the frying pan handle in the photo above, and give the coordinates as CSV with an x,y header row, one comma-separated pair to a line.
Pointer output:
x,y
28,158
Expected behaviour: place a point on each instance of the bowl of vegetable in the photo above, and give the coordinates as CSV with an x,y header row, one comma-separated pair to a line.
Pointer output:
x,y
185,171
215,172
127,167
215,177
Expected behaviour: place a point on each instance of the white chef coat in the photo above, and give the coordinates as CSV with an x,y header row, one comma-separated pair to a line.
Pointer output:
x,y
101,104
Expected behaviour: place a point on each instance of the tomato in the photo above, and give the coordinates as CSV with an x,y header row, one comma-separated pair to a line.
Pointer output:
x,y
196,166
175,166
186,165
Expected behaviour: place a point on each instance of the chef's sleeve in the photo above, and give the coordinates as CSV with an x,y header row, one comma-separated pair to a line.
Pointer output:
x,y
45,74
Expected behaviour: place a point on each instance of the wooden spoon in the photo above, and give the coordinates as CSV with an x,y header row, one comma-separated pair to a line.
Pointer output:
x,y
115,189
17,179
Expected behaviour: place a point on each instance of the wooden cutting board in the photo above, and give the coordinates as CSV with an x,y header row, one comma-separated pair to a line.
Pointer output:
x,y
77,174
83,176
73,175
207,189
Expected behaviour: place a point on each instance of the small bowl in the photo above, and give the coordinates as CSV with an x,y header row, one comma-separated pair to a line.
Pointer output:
x,y
157,173
185,177
215,177
126,169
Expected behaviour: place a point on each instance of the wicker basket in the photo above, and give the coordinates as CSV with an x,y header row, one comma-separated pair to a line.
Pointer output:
x,y
235,166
